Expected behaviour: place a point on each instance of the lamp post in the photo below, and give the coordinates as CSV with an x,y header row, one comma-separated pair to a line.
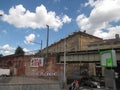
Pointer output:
x,y
41,46
1,15
47,41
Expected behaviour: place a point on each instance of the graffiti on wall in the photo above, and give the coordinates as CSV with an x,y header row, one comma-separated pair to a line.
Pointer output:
x,y
47,74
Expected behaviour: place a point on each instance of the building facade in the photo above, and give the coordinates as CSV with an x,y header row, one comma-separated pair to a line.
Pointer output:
x,y
80,49
77,41
23,65
82,52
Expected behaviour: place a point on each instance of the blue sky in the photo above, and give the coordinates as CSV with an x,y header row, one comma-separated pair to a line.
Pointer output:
x,y
25,21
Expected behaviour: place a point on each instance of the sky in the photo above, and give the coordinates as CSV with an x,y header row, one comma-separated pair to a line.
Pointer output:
x,y
23,22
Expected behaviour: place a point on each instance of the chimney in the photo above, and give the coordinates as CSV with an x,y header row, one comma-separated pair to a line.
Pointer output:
x,y
117,36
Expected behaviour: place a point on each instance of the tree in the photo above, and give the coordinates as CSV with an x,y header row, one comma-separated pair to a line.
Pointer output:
x,y
1,55
19,51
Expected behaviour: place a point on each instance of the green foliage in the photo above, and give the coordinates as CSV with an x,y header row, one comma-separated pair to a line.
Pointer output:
x,y
19,51
1,55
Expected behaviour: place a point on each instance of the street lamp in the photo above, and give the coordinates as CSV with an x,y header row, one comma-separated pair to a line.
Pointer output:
x,y
47,41
1,15
39,44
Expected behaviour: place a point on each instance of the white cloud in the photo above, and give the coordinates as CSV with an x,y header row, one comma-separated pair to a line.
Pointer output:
x,y
111,33
28,52
90,2
8,52
66,19
25,50
1,12
7,49
102,15
29,39
22,18
83,22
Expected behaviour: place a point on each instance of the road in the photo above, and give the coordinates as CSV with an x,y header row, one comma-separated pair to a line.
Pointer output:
x,y
35,80
28,83
25,80
5,79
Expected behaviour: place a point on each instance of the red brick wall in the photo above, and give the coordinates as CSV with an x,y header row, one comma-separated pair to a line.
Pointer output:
x,y
20,66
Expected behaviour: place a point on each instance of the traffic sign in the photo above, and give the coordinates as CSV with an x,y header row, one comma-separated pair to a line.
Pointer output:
x,y
108,58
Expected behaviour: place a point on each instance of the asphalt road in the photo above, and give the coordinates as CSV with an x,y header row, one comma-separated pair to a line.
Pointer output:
x,y
5,79
25,80
33,80
27,83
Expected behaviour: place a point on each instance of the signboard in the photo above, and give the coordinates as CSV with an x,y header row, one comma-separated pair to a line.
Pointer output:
x,y
108,58
36,62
